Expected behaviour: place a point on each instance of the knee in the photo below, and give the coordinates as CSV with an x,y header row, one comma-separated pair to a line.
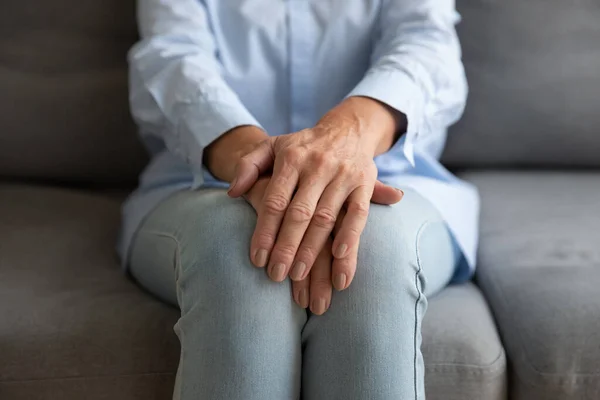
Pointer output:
x,y
214,266
214,233
386,258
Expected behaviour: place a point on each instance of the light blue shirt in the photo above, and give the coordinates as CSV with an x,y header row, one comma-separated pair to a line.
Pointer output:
x,y
203,67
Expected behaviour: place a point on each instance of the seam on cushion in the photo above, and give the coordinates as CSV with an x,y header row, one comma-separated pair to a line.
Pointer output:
x,y
576,377
498,360
482,375
69,378
495,367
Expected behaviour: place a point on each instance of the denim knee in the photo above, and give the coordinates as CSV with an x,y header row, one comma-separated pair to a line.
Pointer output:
x,y
214,265
387,262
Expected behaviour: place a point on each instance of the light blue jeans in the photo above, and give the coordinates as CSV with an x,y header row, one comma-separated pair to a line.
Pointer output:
x,y
243,337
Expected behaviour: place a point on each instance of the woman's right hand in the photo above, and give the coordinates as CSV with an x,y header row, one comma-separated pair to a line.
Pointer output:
x,y
315,290
222,156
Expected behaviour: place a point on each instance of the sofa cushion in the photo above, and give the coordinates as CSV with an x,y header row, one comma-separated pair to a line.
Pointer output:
x,y
63,90
539,268
464,359
534,89
72,326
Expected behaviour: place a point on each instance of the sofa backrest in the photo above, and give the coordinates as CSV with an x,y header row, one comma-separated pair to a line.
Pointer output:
x,y
533,67
63,91
534,74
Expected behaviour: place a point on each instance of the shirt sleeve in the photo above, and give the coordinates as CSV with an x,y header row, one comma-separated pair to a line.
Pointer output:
x,y
177,91
416,66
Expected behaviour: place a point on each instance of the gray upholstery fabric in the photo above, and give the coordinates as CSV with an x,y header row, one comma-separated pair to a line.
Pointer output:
x,y
533,70
73,327
540,271
63,90
464,359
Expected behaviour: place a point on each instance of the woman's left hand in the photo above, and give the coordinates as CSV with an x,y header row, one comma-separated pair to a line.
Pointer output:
x,y
315,173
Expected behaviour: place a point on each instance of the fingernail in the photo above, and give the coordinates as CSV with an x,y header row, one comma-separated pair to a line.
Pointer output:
x,y
318,306
261,258
277,272
298,271
303,298
400,191
339,281
340,251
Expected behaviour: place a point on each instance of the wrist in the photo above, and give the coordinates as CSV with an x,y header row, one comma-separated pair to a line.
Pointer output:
x,y
375,125
222,155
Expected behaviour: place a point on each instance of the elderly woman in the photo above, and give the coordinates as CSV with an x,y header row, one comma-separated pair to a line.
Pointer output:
x,y
308,277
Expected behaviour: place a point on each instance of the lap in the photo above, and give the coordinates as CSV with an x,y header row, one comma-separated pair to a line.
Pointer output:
x,y
195,229
191,230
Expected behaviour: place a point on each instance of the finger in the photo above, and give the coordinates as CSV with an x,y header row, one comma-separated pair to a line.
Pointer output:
x,y
346,241
250,167
301,292
320,282
344,269
272,209
339,221
385,194
320,228
297,218
357,211
254,196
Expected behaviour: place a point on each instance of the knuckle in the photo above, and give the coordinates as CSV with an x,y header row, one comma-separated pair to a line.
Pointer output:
x,y
322,160
299,285
324,218
371,170
280,180
341,264
284,251
308,254
275,204
292,155
362,175
345,265
345,170
320,285
244,162
319,158
299,212
358,208
354,231
264,239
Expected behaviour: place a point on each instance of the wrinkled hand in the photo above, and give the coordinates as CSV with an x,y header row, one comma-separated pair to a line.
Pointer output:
x,y
315,173
314,289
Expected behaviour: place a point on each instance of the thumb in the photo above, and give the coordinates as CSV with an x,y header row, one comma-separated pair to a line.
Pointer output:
x,y
385,194
251,167
255,195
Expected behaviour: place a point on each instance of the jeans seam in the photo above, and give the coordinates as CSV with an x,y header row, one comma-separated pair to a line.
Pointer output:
x,y
177,269
417,301
168,236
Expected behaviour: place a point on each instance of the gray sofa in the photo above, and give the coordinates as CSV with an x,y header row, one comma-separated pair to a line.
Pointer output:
x,y
73,327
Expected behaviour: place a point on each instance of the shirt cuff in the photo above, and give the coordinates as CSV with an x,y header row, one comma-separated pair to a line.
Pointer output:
x,y
399,91
204,122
